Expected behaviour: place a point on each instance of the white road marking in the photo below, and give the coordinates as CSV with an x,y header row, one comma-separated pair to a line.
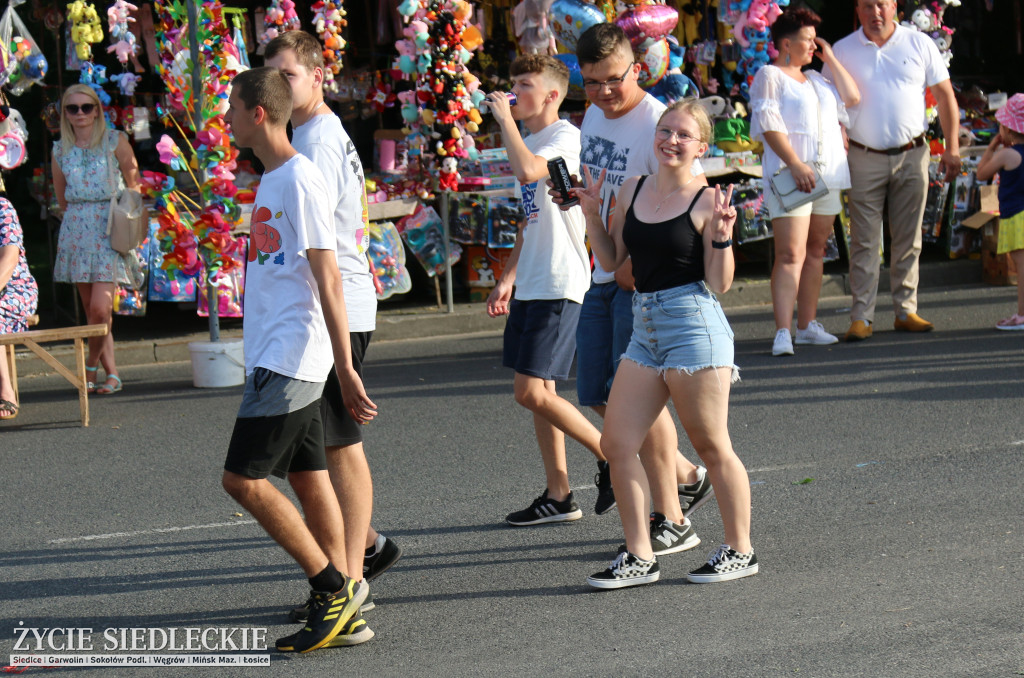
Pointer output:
x,y
157,530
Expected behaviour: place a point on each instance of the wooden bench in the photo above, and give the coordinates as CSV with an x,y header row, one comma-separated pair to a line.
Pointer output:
x,y
33,338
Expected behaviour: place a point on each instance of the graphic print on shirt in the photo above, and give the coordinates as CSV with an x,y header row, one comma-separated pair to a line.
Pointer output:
x,y
264,239
598,154
362,234
529,193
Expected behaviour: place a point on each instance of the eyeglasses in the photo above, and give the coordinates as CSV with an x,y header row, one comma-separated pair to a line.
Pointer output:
x,y
73,109
614,83
665,134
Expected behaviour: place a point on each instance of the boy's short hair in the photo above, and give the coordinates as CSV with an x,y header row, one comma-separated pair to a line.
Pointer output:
x,y
308,50
600,42
268,88
549,67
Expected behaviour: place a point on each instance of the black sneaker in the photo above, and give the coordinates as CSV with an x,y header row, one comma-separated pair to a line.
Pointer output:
x,y
723,565
668,537
626,570
544,510
696,494
605,496
380,557
301,614
354,632
328,613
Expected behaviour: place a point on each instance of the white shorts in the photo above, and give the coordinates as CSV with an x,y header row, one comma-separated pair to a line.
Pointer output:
x,y
830,203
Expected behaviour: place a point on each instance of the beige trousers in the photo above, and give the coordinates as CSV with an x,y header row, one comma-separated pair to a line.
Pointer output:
x,y
903,179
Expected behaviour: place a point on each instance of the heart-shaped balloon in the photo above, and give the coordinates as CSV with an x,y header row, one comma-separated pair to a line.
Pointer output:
x,y
646,24
576,91
569,18
653,63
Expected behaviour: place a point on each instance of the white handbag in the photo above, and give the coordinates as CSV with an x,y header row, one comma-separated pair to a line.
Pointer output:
x,y
128,222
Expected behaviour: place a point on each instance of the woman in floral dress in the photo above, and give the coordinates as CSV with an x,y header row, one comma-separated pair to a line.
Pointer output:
x,y
85,177
19,295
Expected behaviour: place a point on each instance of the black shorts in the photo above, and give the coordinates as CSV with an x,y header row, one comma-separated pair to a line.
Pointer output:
x,y
339,428
540,337
278,444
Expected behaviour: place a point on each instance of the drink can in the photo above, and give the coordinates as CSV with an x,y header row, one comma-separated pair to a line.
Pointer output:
x,y
559,173
511,102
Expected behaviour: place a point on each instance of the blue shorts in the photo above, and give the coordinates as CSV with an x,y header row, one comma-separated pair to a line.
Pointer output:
x,y
606,324
540,337
682,328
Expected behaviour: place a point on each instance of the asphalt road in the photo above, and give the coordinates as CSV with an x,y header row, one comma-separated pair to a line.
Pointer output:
x,y
887,517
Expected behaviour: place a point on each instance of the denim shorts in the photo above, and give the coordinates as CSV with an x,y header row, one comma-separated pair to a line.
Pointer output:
x,y
682,328
602,335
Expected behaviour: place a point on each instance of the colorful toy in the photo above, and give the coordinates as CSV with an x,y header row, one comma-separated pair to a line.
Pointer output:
x,y
569,18
448,178
387,260
645,25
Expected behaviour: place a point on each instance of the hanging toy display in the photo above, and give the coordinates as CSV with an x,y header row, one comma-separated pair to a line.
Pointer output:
x,y
198,243
447,94
328,21
751,21
927,17
121,37
280,18
645,25
86,30
22,64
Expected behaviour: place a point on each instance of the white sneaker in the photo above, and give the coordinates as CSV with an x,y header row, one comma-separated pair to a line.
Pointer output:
x,y
815,335
783,343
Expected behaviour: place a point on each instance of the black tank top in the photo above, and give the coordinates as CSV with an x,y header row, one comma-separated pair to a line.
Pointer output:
x,y
665,254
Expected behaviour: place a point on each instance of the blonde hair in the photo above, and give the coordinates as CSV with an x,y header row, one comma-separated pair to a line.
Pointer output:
x,y
99,125
692,108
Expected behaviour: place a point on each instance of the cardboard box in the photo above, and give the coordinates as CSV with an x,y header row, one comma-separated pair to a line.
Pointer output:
x,y
484,266
998,269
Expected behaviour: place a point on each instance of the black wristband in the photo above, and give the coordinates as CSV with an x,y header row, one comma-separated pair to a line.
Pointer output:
x,y
722,245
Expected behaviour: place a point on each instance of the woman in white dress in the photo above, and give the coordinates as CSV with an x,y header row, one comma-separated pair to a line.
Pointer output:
x,y
797,113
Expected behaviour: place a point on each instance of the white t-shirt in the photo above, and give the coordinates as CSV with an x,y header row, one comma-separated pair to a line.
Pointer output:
x,y
324,141
283,327
781,104
553,261
892,79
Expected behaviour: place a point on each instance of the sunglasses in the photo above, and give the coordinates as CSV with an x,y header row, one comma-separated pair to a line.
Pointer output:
x,y
73,109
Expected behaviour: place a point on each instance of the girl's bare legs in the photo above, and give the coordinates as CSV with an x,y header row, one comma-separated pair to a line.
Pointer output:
x,y
702,403
98,302
790,236
638,396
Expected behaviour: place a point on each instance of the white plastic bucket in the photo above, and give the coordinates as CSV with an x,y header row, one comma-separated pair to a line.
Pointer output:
x,y
216,364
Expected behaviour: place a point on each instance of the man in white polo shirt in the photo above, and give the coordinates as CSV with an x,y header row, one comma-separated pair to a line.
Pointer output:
x,y
889,156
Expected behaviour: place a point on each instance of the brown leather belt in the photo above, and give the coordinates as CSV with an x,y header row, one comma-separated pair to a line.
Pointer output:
x,y
909,146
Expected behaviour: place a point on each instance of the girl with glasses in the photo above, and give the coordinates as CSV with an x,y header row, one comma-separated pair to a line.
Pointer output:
x,y
90,165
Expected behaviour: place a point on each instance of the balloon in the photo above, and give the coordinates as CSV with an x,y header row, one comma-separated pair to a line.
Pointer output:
x,y
654,63
569,18
575,76
645,24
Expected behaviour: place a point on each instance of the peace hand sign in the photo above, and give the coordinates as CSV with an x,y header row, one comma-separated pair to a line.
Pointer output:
x,y
723,216
590,195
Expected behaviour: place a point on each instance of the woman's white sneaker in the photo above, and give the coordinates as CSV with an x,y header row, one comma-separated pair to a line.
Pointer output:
x,y
783,343
815,335
626,570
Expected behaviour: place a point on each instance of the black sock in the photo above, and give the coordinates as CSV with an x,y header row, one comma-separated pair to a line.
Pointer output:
x,y
329,580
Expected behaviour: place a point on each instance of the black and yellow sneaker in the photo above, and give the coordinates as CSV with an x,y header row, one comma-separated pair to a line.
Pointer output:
x,y
354,632
328,613
301,613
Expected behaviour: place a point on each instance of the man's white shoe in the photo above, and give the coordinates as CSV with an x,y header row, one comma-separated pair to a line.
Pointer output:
x,y
783,343
815,335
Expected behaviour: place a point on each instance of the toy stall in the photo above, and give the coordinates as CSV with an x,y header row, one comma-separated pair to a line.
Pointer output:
x,y
441,199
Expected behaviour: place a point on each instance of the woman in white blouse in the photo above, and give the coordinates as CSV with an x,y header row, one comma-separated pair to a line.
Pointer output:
x,y
797,114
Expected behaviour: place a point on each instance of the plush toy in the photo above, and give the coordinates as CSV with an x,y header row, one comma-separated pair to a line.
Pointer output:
x,y
449,177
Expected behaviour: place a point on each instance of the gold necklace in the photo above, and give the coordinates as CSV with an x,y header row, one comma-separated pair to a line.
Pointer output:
x,y
657,208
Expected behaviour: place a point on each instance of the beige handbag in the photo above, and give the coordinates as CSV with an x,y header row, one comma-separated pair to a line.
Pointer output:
x,y
128,223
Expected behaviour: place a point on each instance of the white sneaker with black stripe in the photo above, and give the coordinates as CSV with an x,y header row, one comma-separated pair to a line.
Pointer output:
x,y
725,564
626,570
669,537
544,510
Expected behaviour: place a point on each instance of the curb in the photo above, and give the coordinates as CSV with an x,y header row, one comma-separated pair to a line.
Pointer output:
x,y
470,318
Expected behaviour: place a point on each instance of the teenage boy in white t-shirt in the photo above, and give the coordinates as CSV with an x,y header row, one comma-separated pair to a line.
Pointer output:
x,y
550,269
294,329
318,134
618,138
